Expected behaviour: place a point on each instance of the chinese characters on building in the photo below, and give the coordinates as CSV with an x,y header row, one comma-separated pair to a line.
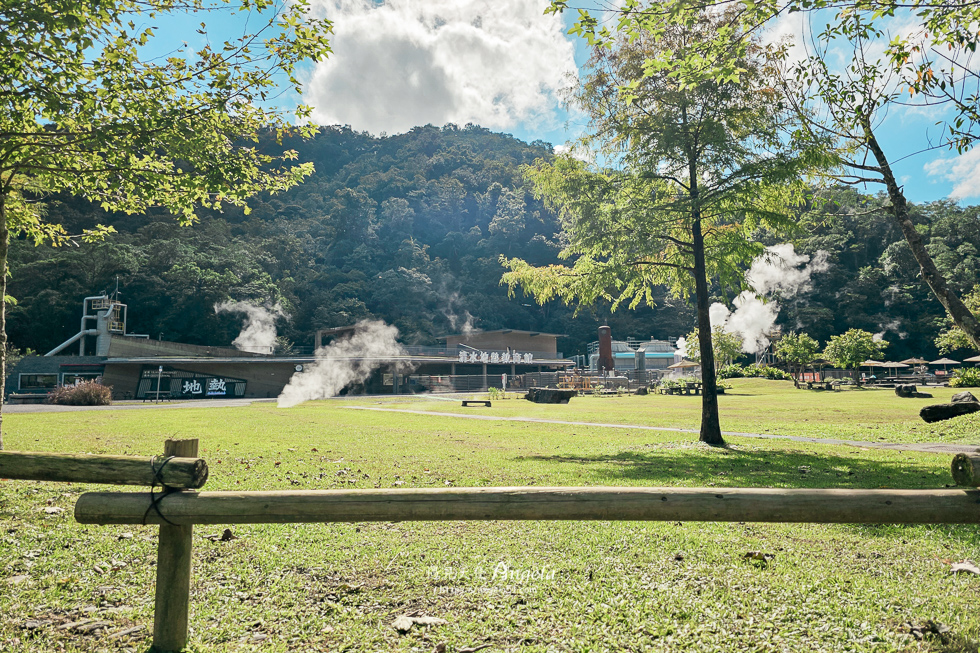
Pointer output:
x,y
216,387
494,357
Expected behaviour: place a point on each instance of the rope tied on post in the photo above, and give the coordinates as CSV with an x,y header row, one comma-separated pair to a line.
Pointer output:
x,y
156,498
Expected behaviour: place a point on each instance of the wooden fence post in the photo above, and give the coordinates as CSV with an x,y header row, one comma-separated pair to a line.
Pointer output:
x,y
173,571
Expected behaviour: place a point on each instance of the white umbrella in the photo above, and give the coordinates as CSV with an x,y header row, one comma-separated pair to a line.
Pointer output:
x,y
944,362
893,366
683,365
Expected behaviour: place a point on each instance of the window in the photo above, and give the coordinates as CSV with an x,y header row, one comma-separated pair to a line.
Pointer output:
x,y
29,381
73,378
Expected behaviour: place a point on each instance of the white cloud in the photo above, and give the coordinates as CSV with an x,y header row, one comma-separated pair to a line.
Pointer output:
x,y
789,28
404,63
963,171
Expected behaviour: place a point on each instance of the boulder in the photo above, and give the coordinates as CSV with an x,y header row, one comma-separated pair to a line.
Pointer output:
x,y
642,390
549,395
940,412
905,390
963,398
908,391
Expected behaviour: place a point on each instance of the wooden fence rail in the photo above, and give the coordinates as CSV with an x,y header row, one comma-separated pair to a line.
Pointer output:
x,y
174,472
176,510
955,506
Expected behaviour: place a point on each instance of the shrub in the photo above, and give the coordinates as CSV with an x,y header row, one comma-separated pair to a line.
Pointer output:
x,y
766,372
776,374
86,393
966,377
733,371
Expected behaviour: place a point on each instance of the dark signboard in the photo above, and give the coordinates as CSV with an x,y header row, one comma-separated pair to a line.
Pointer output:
x,y
180,384
208,386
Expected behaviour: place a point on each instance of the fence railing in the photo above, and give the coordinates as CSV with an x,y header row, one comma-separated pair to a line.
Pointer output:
x,y
178,507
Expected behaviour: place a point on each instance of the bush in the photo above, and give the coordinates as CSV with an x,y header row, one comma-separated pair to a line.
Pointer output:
x,y
734,371
86,393
966,377
766,372
776,374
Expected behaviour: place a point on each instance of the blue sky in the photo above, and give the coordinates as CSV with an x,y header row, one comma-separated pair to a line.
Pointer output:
x,y
502,64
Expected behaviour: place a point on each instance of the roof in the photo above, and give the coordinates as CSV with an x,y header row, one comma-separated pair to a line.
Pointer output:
x,y
503,332
335,330
304,360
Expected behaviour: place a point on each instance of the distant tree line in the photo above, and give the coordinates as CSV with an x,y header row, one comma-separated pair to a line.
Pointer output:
x,y
410,229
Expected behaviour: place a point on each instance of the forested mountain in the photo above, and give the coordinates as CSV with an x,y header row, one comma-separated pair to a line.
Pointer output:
x,y
409,228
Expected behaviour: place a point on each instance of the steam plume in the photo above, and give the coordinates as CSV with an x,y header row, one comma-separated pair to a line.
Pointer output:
x,y
259,333
682,347
779,273
341,363
461,323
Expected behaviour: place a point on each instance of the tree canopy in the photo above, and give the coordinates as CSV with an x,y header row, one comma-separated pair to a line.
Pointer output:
x,y
697,165
797,350
850,349
727,346
869,58
86,112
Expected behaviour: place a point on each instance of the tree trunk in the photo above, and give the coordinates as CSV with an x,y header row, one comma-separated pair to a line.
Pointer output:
x,y
4,244
710,424
962,317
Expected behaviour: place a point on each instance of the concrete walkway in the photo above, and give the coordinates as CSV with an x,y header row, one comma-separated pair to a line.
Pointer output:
x,y
927,447
127,405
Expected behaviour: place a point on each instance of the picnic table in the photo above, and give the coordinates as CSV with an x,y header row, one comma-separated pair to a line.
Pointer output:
x,y
823,385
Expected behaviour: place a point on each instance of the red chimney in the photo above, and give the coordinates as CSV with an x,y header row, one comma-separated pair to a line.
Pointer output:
x,y
606,362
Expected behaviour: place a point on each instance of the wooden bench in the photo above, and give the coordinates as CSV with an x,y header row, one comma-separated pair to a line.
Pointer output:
x,y
27,398
467,402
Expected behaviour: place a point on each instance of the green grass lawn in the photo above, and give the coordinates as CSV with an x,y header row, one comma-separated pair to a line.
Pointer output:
x,y
517,586
754,406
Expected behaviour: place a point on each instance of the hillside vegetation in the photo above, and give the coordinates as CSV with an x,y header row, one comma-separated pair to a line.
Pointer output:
x,y
409,229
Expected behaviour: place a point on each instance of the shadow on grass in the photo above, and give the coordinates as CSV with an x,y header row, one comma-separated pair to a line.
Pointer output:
x,y
726,467
737,468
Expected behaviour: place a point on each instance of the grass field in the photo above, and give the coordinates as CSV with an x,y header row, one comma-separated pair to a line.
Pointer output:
x,y
515,586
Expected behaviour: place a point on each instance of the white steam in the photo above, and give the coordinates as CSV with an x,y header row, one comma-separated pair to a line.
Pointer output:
x,y
351,360
259,333
780,272
681,347
895,326
462,324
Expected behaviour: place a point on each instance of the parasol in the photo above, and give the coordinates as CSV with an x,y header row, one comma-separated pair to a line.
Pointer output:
x,y
893,366
683,364
944,362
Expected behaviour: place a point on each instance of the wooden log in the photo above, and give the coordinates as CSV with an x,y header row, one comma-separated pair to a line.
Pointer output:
x,y
173,591
180,472
955,506
966,469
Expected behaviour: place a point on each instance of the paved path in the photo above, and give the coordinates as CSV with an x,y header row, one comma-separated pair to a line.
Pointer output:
x,y
928,447
195,403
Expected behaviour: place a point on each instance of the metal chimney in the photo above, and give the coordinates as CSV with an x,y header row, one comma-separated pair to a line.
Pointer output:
x,y
606,362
